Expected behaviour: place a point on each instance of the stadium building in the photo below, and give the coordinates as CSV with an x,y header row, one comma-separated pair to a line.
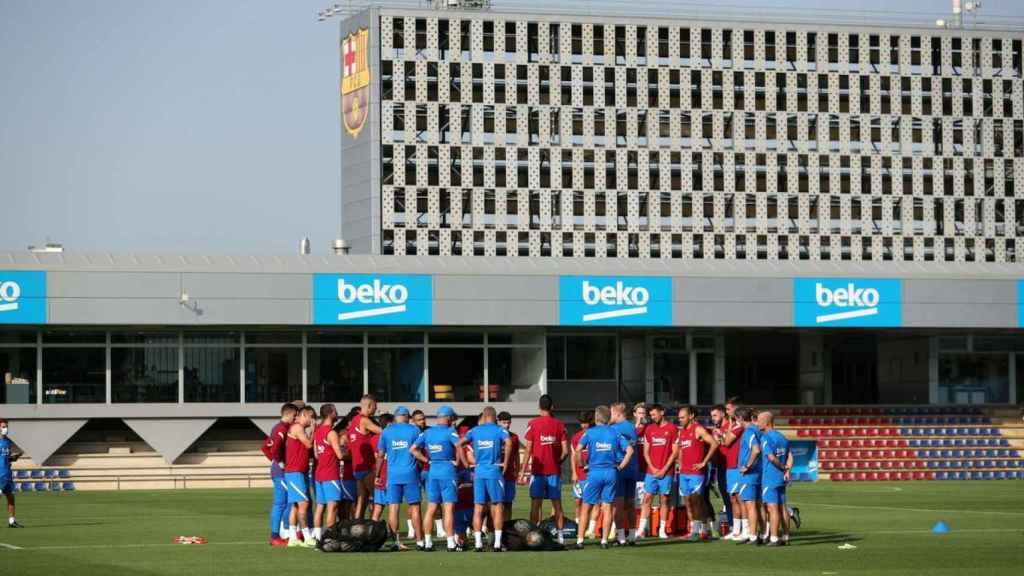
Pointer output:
x,y
597,208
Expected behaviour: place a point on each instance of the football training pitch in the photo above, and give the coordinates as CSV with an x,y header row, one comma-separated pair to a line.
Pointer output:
x,y
888,523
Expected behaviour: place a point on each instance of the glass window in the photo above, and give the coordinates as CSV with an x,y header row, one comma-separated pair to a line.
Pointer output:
x,y
144,374
456,374
18,368
144,338
328,337
514,374
212,338
590,357
396,374
515,339
456,338
74,337
335,374
974,378
396,338
273,338
556,357
74,375
17,337
211,374
671,376
273,374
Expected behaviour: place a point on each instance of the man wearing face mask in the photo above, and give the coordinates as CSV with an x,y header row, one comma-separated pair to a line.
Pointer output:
x,y
8,454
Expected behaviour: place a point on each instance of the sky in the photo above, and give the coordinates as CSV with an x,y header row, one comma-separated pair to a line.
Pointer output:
x,y
181,126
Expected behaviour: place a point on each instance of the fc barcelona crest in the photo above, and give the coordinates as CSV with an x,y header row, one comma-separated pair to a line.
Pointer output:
x,y
355,81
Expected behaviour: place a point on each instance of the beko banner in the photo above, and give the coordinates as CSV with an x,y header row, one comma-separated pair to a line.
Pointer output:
x,y
614,301
848,302
382,299
22,297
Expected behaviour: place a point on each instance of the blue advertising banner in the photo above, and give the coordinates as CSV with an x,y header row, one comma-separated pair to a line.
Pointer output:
x,y
848,302
614,301
379,299
805,460
22,297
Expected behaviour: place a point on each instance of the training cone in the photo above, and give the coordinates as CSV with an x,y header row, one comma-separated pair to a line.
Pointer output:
x,y
940,528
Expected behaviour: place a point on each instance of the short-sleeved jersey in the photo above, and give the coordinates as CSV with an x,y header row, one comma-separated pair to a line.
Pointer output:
x,y
605,447
512,470
488,441
545,435
732,451
581,471
275,448
660,438
327,465
641,430
395,442
439,443
628,431
296,456
692,449
6,451
773,442
751,439
347,470
361,445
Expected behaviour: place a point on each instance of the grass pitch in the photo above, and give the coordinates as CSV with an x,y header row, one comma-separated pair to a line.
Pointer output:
x,y
107,533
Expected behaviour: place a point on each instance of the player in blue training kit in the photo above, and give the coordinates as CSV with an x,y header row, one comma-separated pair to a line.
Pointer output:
x,y
403,482
438,446
608,454
776,462
625,493
492,448
749,463
8,454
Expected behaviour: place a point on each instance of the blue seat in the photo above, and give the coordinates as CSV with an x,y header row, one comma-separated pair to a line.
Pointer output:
x,y
18,474
42,486
51,473
25,486
37,473
64,473
68,486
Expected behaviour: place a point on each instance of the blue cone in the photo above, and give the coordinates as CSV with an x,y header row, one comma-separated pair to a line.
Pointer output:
x,y
940,528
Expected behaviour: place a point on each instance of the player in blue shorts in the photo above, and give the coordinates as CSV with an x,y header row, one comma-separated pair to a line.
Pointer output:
x,y
491,449
403,481
514,463
659,455
625,494
776,463
608,453
749,462
438,446
8,454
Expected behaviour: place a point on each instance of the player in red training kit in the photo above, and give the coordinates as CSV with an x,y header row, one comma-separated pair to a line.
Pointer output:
x,y
296,471
327,450
695,447
547,446
659,459
360,427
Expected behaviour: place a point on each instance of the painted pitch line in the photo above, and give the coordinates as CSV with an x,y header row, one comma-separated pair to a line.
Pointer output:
x,y
10,546
140,545
924,510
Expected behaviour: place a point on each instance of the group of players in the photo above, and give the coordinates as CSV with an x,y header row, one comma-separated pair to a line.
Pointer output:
x,y
367,465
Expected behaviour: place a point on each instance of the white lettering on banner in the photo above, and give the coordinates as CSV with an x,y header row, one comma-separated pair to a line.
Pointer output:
x,y
9,294
634,298
865,300
392,298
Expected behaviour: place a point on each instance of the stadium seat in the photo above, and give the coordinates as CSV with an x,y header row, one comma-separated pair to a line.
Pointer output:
x,y
25,486
19,474
54,486
42,487
68,486
38,473
51,473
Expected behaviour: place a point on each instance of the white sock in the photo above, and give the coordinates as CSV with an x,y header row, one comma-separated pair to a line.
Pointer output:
x,y
785,537
621,535
497,539
428,541
293,534
642,529
661,528
439,528
579,539
591,527
451,541
775,539
11,520
316,533
561,538
632,534
307,534
409,528
419,542
477,539
736,526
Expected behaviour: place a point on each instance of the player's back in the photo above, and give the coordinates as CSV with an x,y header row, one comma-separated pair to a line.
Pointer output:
x,y
487,441
604,447
360,445
628,431
396,441
773,443
581,470
512,470
440,443
545,435
296,456
751,438
327,464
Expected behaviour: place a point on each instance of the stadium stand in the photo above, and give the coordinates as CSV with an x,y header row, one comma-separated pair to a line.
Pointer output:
x,y
911,443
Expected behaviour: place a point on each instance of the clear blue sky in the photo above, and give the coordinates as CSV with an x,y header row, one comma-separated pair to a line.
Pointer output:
x,y
188,126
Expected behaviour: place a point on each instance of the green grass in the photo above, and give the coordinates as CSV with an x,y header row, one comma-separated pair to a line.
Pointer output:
x,y
108,533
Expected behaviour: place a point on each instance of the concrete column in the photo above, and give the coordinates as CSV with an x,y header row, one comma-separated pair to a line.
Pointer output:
x,y
811,375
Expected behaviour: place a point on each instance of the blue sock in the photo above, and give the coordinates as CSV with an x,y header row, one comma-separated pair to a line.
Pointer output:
x,y
279,510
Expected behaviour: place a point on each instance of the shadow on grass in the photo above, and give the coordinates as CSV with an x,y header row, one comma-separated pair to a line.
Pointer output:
x,y
812,538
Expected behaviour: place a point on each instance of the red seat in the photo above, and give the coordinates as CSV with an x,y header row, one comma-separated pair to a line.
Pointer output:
x,y
860,476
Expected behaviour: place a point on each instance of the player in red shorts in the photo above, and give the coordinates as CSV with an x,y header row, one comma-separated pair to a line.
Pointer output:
x,y
696,446
659,457
364,461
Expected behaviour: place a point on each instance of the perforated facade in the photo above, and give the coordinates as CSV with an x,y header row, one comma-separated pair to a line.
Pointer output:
x,y
509,134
